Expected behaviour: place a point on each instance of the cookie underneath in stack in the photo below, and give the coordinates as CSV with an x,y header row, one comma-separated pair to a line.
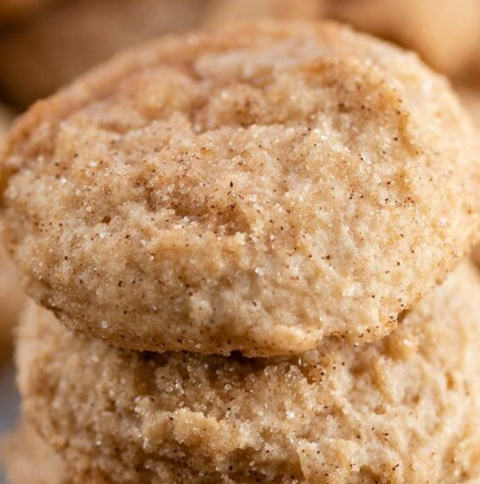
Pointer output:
x,y
403,409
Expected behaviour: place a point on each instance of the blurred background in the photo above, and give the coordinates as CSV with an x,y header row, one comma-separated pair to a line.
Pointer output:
x,y
45,44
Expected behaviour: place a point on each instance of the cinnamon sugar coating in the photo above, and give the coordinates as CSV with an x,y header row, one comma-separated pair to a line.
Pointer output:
x,y
256,188
403,409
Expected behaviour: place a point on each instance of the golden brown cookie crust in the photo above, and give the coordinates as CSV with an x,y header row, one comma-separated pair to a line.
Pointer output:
x,y
403,409
256,188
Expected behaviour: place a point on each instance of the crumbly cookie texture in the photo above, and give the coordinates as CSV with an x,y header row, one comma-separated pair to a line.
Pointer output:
x,y
75,35
445,32
403,409
256,188
28,459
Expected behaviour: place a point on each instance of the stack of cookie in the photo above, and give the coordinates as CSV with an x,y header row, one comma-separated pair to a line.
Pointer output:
x,y
253,238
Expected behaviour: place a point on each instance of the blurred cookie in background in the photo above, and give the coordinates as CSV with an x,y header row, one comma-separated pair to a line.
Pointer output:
x,y
239,10
446,33
13,10
470,97
11,297
473,75
49,49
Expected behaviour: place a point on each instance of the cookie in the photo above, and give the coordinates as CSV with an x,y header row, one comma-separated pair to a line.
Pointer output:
x,y
403,409
28,459
445,32
11,297
222,11
74,35
256,189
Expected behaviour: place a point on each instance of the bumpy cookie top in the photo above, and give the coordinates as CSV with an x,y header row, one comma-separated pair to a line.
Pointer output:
x,y
405,409
255,188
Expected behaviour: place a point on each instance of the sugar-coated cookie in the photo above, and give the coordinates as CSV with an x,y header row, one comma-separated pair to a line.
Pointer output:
x,y
405,409
256,189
